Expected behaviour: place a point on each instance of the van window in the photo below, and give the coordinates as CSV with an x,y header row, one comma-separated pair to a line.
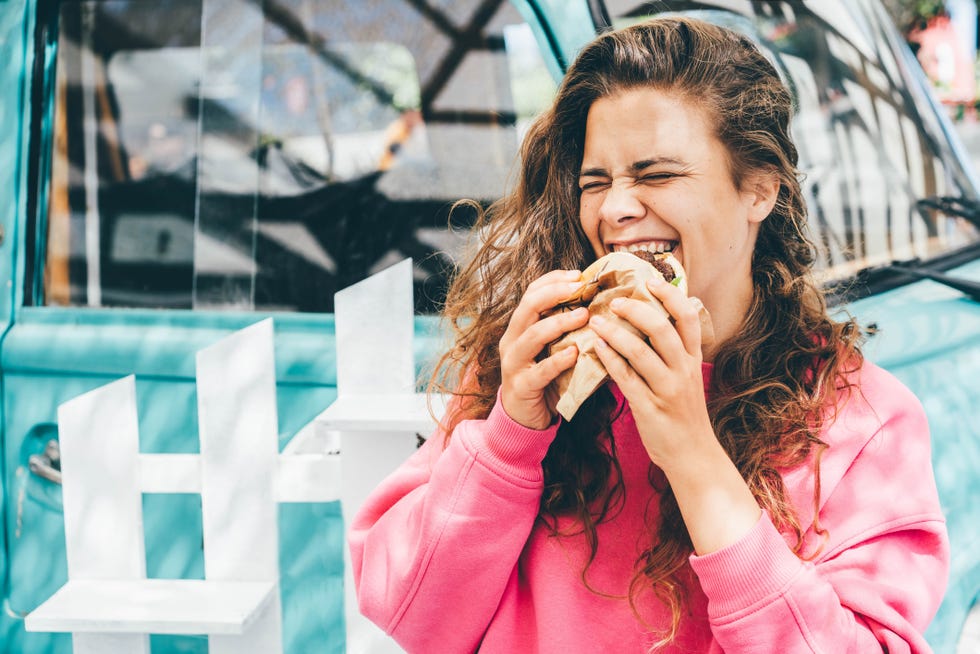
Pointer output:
x,y
873,151
212,154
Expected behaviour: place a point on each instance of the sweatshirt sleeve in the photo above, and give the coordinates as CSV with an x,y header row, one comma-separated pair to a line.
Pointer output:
x,y
882,573
446,529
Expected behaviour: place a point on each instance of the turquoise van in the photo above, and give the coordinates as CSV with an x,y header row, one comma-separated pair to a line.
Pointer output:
x,y
174,170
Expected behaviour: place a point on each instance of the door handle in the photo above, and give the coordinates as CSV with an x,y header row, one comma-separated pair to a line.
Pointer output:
x,y
47,465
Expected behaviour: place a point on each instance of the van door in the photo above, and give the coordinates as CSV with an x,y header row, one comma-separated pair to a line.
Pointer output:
x,y
196,165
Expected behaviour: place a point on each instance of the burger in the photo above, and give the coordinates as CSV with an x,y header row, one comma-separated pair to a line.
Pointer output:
x,y
619,274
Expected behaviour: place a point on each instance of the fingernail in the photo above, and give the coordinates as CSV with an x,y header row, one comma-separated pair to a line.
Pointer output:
x,y
597,320
617,303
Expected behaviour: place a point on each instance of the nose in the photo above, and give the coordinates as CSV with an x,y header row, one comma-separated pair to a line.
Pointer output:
x,y
620,204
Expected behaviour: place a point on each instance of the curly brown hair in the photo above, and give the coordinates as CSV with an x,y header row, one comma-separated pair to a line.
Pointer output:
x,y
772,381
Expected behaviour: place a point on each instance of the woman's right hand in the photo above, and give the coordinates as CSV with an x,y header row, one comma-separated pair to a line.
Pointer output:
x,y
524,378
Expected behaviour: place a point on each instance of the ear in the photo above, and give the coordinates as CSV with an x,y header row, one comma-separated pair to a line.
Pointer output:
x,y
762,190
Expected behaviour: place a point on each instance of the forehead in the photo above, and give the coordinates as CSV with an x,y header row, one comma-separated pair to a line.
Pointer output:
x,y
649,121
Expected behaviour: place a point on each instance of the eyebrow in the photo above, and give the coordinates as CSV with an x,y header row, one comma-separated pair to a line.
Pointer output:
x,y
635,167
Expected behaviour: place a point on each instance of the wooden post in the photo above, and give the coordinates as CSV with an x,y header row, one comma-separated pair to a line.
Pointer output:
x,y
239,432
375,328
103,507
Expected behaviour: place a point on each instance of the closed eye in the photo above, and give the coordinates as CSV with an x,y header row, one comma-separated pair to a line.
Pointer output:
x,y
593,186
658,177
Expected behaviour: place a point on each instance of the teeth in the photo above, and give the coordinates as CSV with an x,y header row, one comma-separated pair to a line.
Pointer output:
x,y
657,247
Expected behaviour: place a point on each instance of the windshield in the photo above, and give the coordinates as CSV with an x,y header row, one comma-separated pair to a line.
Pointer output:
x,y
872,145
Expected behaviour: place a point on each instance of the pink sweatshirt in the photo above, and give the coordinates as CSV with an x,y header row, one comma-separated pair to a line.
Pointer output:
x,y
448,555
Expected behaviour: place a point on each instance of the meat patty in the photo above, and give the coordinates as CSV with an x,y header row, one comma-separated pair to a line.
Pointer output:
x,y
662,266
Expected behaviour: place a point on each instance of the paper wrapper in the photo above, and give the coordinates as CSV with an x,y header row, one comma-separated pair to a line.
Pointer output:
x,y
619,274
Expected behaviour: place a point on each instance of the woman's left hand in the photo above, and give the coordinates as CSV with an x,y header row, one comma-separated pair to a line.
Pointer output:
x,y
662,380
663,383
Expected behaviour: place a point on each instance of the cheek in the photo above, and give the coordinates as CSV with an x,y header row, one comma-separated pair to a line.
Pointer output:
x,y
588,218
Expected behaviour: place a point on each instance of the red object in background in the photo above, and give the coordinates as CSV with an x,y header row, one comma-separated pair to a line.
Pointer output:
x,y
945,60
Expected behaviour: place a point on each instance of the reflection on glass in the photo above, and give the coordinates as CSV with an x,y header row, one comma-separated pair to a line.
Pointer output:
x,y
229,155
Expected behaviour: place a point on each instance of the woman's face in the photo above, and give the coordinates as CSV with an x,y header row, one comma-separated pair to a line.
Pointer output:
x,y
654,176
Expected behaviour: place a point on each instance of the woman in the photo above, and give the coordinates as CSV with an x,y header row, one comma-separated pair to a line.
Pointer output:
x,y
770,493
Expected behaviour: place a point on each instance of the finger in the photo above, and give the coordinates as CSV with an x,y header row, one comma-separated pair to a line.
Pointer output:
x,y
631,346
683,309
556,276
655,324
542,295
630,382
542,373
526,347
536,378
